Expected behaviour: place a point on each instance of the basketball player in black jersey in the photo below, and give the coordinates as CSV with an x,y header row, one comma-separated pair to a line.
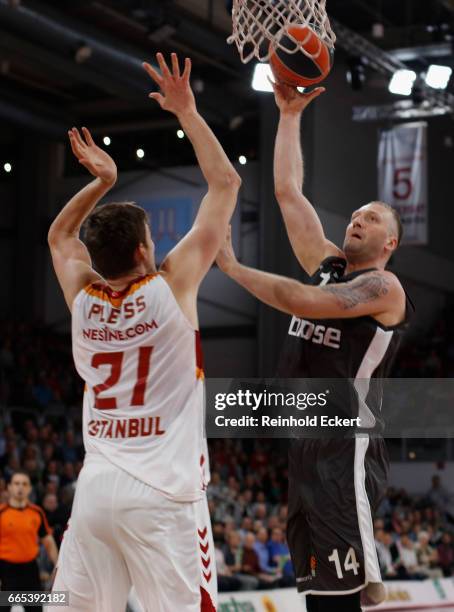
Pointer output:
x,y
346,323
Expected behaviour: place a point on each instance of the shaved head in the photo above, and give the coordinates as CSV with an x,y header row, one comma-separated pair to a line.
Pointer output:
x,y
397,227
374,232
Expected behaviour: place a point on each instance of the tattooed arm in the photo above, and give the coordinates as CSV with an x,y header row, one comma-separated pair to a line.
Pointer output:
x,y
363,290
378,294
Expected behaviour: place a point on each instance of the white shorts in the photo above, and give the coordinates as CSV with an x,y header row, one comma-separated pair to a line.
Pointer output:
x,y
123,533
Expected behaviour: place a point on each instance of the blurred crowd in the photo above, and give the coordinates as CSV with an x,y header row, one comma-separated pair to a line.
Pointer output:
x,y
36,367
247,498
40,396
432,355
414,535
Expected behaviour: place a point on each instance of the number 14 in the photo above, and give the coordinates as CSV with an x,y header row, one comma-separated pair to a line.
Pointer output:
x,y
350,563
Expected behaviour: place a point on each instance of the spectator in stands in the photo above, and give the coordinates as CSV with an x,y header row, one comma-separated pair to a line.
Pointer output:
x,y
70,450
217,488
41,392
12,466
385,508
248,497
408,561
65,505
273,522
388,555
52,473
263,553
56,516
233,555
246,526
427,557
278,549
282,514
438,495
260,511
68,476
226,581
280,554
250,564
446,554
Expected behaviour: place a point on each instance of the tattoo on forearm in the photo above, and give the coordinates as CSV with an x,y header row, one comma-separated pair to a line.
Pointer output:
x,y
361,291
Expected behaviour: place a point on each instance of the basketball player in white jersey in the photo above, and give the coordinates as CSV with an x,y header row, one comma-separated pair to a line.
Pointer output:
x,y
140,516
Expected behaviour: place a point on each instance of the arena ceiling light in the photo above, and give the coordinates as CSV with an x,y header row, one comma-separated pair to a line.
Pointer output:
x,y
243,160
402,82
438,76
106,140
260,77
180,134
140,153
7,167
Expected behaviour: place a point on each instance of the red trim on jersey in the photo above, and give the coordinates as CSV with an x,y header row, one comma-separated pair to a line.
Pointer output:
x,y
206,562
198,356
206,603
107,294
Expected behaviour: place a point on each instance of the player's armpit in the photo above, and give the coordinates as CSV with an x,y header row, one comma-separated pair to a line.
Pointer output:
x,y
305,231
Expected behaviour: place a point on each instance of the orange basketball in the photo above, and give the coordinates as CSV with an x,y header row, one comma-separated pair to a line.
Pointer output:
x,y
297,69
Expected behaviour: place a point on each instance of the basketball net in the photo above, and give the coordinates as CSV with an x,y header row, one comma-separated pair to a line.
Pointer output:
x,y
257,23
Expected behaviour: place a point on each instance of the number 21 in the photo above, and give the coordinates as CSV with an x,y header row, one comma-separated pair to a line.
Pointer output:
x,y
115,360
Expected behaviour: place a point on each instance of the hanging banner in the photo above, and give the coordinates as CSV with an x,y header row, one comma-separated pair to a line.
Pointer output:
x,y
402,177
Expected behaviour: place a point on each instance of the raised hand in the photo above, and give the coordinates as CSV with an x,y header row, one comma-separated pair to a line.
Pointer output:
x,y
176,94
226,257
290,100
96,160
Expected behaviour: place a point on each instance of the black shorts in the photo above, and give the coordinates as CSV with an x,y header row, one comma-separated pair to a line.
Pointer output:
x,y
334,488
20,577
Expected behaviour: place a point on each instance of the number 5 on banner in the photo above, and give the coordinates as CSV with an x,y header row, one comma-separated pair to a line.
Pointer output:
x,y
403,187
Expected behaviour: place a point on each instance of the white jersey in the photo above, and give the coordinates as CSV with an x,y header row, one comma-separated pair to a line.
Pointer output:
x,y
143,404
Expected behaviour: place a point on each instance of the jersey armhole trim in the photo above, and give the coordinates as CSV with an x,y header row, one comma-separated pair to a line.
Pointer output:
x,y
327,261
184,317
409,311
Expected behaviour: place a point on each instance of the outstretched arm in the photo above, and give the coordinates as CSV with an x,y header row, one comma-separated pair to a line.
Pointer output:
x,y
190,260
302,222
375,293
70,257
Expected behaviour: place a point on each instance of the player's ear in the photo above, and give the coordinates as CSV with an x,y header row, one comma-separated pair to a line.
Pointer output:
x,y
140,253
391,243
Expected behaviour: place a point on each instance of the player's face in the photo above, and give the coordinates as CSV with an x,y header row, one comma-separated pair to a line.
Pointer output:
x,y
19,488
369,233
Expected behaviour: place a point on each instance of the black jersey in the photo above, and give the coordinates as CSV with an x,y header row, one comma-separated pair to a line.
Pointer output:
x,y
354,349
336,484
